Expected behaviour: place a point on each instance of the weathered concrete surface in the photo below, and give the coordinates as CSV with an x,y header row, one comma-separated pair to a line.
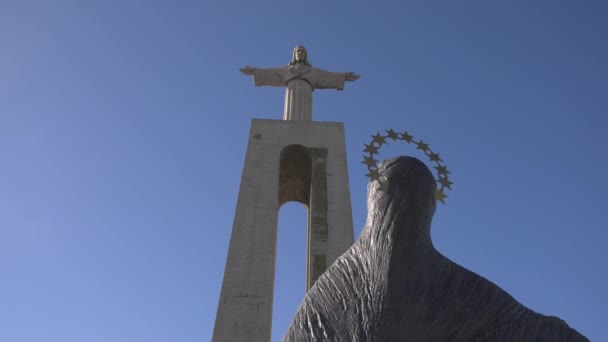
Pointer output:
x,y
286,161
392,285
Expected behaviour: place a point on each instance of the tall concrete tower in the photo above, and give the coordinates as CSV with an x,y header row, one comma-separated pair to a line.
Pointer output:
x,y
295,159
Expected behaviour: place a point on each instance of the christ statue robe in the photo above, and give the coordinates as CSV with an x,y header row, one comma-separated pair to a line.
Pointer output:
x,y
300,81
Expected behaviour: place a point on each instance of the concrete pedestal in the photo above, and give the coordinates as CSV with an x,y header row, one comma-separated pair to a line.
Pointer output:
x,y
302,161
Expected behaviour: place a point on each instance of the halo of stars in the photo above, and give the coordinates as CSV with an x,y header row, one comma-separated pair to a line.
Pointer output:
x,y
378,140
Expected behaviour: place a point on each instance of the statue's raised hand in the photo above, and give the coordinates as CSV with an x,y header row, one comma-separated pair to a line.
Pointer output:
x,y
247,70
350,76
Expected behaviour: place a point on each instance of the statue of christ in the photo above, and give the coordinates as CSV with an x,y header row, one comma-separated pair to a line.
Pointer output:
x,y
300,79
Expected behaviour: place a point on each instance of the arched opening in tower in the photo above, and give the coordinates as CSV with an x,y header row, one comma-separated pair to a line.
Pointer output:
x,y
295,177
290,264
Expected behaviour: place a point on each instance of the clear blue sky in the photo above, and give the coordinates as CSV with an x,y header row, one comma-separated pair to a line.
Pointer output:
x,y
124,125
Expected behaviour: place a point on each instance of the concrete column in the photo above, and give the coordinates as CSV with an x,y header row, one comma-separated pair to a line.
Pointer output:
x,y
245,306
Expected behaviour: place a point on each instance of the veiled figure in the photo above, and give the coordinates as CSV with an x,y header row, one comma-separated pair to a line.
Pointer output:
x,y
393,285
300,79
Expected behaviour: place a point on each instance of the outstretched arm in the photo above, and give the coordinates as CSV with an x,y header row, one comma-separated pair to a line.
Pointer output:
x,y
264,77
247,70
351,76
333,80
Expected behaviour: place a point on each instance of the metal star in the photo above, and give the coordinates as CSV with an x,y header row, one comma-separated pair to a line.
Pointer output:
x,y
407,137
369,161
422,146
378,139
445,182
373,175
392,134
442,169
434,157
440,195
371,149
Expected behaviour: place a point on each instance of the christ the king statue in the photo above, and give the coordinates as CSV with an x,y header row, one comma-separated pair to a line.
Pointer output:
x,y
299,78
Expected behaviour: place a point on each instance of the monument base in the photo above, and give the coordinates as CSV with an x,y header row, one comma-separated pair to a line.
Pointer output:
x,y
302,161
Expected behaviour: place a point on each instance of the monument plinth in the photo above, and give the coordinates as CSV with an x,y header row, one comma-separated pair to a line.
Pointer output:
x,y
295,159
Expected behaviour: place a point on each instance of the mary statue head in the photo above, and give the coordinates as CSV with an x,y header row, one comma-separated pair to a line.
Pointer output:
x,y
300,56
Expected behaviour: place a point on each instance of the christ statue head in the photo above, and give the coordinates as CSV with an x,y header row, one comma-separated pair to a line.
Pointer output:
x,y
300,56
